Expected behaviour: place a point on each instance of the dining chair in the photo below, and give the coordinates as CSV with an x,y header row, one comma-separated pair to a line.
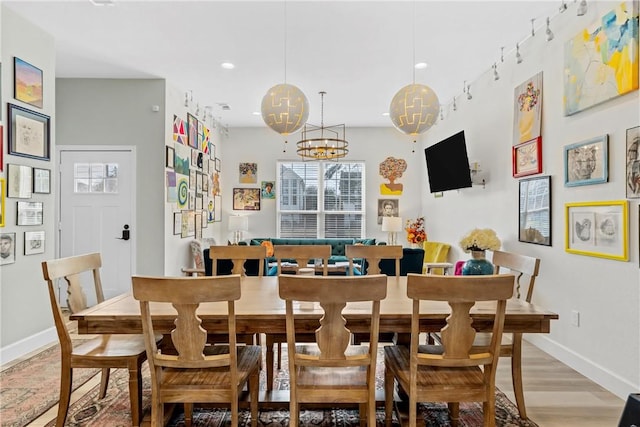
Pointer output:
x,y
371,256
301,254
196,370
435,252
331,370
452,372
103,351
238,254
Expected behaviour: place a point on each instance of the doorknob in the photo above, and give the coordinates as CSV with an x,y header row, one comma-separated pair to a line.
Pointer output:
x,y
125,233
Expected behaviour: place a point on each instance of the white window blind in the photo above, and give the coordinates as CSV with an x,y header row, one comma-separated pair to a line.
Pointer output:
x,y
321,200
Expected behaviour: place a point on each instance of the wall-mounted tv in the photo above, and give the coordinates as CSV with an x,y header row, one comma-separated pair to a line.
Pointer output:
x,y
448,164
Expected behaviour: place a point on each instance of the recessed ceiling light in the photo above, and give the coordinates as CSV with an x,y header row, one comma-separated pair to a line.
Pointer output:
x,y
227,66
421,65
102,2
385,113
256,113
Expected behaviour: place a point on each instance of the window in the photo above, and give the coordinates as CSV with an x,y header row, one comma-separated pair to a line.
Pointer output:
x,y
321,200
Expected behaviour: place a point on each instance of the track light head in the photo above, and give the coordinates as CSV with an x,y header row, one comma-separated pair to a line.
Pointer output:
x,y
582,8
496,76
518,55
549,32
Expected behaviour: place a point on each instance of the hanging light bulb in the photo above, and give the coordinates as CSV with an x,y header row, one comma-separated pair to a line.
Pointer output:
x,y
582,8
533,31
502,54
455,107
549,32
518,56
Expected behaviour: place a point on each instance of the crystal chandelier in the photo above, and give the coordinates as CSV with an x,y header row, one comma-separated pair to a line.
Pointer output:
x,y
320,142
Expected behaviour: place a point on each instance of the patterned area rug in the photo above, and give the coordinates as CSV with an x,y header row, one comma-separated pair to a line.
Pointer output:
x,y
29,388
113,410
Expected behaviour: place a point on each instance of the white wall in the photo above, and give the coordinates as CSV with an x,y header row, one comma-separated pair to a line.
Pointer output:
x,y
25,313
606,345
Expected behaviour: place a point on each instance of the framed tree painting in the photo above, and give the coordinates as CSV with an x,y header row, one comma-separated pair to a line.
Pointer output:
x,y
534,210
599,229
27,82
28,133
586,162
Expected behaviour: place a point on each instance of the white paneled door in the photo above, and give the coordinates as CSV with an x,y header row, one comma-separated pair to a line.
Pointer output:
x,y
97,212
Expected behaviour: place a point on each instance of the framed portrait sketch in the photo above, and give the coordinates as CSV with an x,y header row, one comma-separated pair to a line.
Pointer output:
x,y
30,213
246,199
599,229
535,210
41,181
28,133
27,83
586,162
633,163
7,248
19,181
388,207
33,242
526,158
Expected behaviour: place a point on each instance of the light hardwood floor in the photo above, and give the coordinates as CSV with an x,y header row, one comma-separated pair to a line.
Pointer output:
x,y
556,395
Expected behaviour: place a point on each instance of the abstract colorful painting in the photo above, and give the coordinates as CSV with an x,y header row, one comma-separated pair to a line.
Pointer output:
x,y
601,61
206,139
179,130
527,111
27,83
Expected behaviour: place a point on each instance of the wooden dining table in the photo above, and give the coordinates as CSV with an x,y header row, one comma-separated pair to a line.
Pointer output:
x,y
260,310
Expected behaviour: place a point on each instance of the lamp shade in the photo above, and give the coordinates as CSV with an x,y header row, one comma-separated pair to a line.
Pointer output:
x,y
391,223
414,109
285,108
238,223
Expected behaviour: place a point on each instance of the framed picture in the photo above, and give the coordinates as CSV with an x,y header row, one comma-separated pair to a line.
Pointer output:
x,y
27,83
246,199
33,242
192,129
188,224
526,158
599,229
217,165
177,223
1,147
388,207
633,163
7,248
205,219
19,178
170,157
41,181
527,112
28,133
586,162
268,191
248,173
197,223
2,198
535,210
30,213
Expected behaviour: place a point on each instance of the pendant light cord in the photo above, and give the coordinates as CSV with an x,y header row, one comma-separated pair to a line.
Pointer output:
x,y
285,42
413,65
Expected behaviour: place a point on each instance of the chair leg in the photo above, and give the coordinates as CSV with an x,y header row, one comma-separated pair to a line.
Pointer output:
x,y
454,412
254,385
294,411
66,378
269,360
135,392
104,383
388,396
489,412
516,374
362,412
157,410
188,414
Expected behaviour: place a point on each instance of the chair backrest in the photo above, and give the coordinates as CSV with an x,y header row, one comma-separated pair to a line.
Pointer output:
x,y
73,270
462,293
373,254
189,337
238,254
436,252
524,267
302,254
332,336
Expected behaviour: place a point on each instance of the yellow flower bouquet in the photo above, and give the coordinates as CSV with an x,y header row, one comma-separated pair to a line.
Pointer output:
x,y
480,239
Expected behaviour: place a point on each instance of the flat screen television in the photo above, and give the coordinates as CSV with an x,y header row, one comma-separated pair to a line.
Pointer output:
x,y
448,164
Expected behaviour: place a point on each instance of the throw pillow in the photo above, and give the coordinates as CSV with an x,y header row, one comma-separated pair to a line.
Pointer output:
x,y
269,246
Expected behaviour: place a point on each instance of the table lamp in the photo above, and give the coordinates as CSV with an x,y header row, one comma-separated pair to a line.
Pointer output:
x,y
392,224
238,224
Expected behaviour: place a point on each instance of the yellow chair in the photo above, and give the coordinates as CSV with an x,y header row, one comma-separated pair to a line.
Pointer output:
x,y
435,252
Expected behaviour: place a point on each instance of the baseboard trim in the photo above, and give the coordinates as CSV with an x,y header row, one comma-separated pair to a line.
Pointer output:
x,y
25,346
617,385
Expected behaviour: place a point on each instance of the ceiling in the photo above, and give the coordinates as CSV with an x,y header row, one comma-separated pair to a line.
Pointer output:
x,y
360,52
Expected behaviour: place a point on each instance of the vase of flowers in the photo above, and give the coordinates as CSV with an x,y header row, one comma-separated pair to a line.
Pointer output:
x,y
477,242
416,234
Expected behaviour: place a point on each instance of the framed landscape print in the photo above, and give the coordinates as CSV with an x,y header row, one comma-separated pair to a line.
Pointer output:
x,y
33,242
41,181
586,162
246,199
633,163
535,210
527,158
599,229
27,82
28,133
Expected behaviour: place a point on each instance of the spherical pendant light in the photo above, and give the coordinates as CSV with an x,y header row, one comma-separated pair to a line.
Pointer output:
x,y
414,109
285,108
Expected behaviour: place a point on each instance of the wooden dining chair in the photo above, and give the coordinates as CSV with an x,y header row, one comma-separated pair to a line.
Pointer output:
x,y
195,370
371,256
301,254
238,254
331,370
104,351
451,372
